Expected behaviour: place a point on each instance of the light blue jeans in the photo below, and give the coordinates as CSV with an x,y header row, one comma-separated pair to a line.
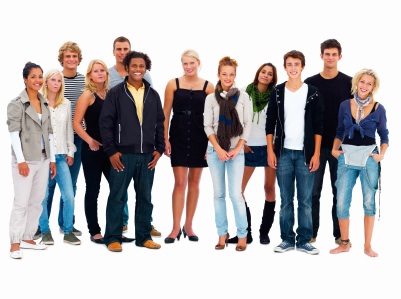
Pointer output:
x,y
235,170
64,181
346,179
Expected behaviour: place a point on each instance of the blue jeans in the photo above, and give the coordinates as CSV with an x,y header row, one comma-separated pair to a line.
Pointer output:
x,y
291,167
136,169
74,171
63,179
325,157
346,179
235,171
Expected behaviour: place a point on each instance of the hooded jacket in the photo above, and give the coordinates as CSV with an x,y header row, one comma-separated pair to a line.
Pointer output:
x,y
119,124
314,109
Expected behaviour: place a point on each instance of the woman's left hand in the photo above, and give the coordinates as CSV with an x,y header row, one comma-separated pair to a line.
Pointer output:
x,y
233,153
53,169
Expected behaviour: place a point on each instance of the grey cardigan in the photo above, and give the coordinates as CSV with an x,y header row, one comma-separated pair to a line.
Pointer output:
x,y
23,118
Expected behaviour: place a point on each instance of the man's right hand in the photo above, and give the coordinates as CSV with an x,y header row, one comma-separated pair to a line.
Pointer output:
x,y
116,162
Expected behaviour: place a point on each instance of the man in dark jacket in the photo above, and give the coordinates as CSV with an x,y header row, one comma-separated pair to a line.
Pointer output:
x,y
295,119
132,128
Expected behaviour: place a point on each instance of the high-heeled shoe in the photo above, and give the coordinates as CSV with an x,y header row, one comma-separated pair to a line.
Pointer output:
x,y
193,238
240,247
220,246
169,240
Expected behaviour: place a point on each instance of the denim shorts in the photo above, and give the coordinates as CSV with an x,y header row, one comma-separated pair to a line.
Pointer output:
x,y
258,158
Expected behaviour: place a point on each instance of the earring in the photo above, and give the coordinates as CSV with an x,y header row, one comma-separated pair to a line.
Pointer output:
x,y
46,86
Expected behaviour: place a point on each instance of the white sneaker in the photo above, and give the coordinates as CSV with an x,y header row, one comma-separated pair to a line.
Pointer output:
x,y
26,245
16,254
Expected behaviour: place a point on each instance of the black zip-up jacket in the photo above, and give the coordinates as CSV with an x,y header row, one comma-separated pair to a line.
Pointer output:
x,y
119,123
314,109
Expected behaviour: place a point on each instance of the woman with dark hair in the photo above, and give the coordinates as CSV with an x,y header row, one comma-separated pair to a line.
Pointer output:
x,y
256,149
227,122
29,124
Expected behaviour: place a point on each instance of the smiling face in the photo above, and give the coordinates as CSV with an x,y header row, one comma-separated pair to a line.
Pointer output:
x,y
265,75
365,86
136,71
293,67
227,76
34,81
190,65
54,83
330,58
70,60
120,51
98,73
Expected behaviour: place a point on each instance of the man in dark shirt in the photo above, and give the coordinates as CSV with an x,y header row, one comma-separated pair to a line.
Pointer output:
x,y
334,87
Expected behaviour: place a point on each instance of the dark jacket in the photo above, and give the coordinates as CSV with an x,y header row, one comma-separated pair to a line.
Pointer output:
x,y
314,109
119,123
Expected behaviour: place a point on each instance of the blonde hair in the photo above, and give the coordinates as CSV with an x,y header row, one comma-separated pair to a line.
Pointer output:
x,y
89,85
60,94
190,53
69,46
358,76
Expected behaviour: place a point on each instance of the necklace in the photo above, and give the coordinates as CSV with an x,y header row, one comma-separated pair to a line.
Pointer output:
x,y
191,86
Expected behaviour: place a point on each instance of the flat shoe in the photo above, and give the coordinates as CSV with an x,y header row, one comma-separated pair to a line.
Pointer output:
x,y
16,254
26,245
97,241
151,245
115,247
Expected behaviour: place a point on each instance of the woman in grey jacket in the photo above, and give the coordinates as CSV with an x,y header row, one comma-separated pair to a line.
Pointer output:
x,y
28,120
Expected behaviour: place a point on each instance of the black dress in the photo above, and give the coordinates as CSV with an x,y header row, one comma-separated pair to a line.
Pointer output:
x,y
187,135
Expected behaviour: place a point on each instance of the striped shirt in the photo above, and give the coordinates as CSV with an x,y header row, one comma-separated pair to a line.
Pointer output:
x,y
74,86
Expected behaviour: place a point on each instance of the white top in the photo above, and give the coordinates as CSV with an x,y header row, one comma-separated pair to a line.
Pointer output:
x,y
257,137
63,133
211,116
294,117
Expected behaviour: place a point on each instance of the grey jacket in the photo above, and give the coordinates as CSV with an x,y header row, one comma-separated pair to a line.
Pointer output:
x,y
23,118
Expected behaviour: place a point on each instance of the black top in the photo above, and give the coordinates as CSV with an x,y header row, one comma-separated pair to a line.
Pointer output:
x,y
333,91
92,118
187,135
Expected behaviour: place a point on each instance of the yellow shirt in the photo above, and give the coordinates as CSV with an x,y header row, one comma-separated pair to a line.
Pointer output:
x,y
138,98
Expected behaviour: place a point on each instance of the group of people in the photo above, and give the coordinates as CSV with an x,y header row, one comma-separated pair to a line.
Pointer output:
x,y
113,122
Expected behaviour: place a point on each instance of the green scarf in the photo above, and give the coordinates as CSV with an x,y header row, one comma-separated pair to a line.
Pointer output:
x,y
259,100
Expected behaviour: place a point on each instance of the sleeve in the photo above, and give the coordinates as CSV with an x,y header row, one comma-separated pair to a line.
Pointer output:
x,y
271,113
148,78
208,115
71,148
340,126
159,133
107,119
382,126
14,116
247,116
51,145
16,145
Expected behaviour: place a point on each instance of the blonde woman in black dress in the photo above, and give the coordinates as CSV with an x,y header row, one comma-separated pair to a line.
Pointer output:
x,y
186,141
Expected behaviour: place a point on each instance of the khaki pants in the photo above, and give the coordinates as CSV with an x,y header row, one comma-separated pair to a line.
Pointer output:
x,y
29,193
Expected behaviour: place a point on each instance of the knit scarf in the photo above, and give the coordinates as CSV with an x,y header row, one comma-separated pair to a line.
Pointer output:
x,y
229,124
360,114
259,100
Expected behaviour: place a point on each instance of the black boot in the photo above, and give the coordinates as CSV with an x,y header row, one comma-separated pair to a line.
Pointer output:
x,y
267,221
249,238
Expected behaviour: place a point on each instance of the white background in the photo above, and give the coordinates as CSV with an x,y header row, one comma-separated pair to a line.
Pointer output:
x,y
252,32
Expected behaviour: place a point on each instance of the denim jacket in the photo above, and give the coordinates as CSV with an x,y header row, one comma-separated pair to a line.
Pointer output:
x,y
314,109
23,118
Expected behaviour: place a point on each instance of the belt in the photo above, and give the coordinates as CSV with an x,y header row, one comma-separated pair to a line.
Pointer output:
x,y
187,112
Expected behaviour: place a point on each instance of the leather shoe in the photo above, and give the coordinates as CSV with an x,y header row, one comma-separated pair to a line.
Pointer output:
x,y
151,245
26,245
115,247
154,232
97,241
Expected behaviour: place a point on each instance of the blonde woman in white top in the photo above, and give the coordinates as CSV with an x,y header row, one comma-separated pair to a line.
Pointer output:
x,y
64,148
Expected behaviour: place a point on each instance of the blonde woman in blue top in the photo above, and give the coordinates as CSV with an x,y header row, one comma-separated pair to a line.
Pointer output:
x,y
358,155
